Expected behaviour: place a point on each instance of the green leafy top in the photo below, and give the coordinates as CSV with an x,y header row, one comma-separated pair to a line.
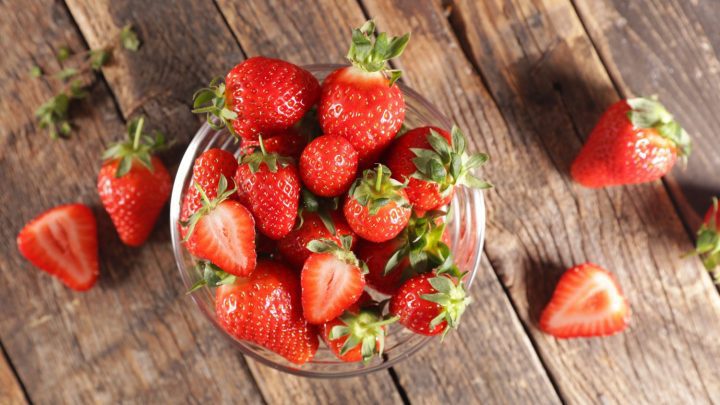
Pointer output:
x,y
451,296
707,245
213,276
649,113
366,328
372,56
138,146
342,252
448,165
421,243
376,188
322,207
211,102
207,204
271,160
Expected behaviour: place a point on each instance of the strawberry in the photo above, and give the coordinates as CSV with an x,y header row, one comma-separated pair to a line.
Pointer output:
x,y
269,186
359,333
636,141
587,302
265,309
134,185
285,143
63,242
361,102
293,246
433,162
430,304
260,96
376,207
331,280
377,256
223,232
328,166
707,244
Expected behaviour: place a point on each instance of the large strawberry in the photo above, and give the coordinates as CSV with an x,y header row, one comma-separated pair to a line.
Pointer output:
x,y
707,245
636,140
63,242
328,166
260,96
430,304
134,185
433,162
361,102
269,185
376,207
293,246
587,302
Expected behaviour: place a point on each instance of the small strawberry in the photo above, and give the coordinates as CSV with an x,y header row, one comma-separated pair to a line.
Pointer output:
x,y
361,102
269,185
636,140
587,302
260,96
293,246
433,162
265,309
63,242
377,256
285,143
332,280
223,232
134,185
359,333
707,245
428,303
328,166
377,207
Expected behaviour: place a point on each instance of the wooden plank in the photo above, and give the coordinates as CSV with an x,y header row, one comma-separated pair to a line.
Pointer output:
x,y
491,358
672,49
135,336
545,79
11,392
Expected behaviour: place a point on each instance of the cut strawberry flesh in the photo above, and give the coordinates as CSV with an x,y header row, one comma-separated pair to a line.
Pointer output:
x,y
329,287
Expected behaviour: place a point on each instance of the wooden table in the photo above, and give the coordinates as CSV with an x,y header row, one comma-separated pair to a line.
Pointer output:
x,y
526,79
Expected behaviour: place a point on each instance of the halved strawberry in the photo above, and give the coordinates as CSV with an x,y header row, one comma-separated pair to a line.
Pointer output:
x,y
331,280
63,242
587,302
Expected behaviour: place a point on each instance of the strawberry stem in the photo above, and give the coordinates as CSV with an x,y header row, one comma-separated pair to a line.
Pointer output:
x,y
378,179
138,131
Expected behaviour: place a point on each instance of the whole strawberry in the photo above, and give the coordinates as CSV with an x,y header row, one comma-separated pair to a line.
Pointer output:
x,y
376,207
361,102
134,185
293,246
260,96
707,245
433,162
286,143
430,304
269,185
328,166
636,140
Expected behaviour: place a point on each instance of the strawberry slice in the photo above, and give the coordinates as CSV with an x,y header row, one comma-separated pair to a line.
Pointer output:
x,y
63,242
331,280
587,302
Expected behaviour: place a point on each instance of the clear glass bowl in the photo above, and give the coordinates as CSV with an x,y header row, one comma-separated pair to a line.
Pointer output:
x,y
467,228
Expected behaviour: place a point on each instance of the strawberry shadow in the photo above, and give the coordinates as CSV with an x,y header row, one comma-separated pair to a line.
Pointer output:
x,y
540,281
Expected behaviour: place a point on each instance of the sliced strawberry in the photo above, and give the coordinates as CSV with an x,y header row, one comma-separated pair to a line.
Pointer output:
x,y
63,242
587,302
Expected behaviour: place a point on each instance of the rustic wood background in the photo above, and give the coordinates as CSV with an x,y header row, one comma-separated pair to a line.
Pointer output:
x,y
526,78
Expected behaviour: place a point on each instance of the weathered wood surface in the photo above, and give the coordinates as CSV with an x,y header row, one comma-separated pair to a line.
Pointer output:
x,y
11,392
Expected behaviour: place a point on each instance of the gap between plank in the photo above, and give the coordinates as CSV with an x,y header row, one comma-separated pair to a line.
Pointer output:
x,y
19,381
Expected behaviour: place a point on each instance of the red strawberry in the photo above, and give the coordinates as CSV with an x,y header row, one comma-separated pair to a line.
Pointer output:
x,y
707,245
223,232
134,185
434,162
260,96
269,185
635,141
285,143
293,246
359,333
377,256
328,166
63,242
362,103
377,208
428,303
587,302
265,309
331,280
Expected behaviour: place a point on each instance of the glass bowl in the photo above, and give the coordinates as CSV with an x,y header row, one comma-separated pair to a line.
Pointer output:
x,y
466,226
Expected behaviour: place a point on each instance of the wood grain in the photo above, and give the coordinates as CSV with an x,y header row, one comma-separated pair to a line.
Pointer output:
x,y
545,89
11,392
669,48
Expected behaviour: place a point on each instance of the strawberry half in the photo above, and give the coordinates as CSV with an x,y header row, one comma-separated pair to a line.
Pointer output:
x,y
587,302
63,242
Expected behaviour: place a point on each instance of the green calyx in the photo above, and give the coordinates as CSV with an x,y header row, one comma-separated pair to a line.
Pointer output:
x,y
372,55
423,246
211,102
320,206
343,251
375,189
452,298
448,165
259,157
207,204
366,328
707,245
139,145
649,113
213,276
